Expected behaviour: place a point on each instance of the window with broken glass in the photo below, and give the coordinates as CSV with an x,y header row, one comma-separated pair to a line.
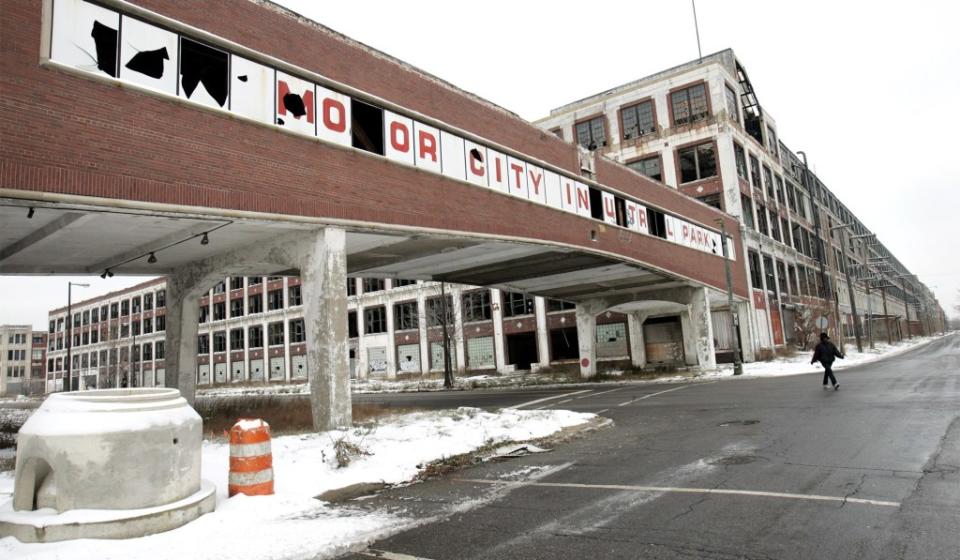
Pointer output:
x,y
516,304
648,166
435,316
638,120
741,157
275,333
375,320
592,134
405,316
689,105
732,106
476,306
697,162
755,172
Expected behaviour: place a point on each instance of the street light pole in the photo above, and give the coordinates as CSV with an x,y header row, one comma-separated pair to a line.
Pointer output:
x,y
68,384
734,316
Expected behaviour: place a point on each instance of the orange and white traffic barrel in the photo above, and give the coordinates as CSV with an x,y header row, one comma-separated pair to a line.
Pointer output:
x,y
251,461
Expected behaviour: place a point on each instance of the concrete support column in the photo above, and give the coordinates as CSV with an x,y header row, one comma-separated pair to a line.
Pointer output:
x,y
747,337
422,330
499,350
323,269
183,317
458,341
587,312
391,340
638,348
543,334
702,329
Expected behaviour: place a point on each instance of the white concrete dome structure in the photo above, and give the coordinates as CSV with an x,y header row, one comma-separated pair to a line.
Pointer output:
x,y
135,452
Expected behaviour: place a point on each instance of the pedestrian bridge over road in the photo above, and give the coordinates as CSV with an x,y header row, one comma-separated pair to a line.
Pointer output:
x,y
146,138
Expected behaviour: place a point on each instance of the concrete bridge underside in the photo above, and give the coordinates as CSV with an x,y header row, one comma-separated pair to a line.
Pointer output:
x,y
83,238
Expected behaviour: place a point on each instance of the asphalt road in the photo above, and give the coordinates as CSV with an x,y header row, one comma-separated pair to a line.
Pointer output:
x,y
772,468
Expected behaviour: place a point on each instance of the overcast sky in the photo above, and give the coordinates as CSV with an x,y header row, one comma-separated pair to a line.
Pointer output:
x,y
867,89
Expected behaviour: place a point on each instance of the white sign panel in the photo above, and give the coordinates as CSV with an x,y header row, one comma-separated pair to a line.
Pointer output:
x,y
476,163
452,158
553,192
536,187
148,56
333,119
296,104
609,208
583,200
497,171
251,89
204,74
85,36
426,146
398,137
517,174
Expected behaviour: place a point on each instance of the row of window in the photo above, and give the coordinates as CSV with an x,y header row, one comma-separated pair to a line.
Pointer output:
x,y
16,371
254,304
113,332
369,285
795,280
114,310
17,338
476,304
17,355
687,106
254,337
114,356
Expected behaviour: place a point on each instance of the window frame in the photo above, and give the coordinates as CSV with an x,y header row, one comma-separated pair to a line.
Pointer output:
x,y
658,156
634,105
588,119
686,87
695,146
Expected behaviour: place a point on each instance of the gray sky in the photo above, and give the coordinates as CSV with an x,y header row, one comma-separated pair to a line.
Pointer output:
x,y
867,89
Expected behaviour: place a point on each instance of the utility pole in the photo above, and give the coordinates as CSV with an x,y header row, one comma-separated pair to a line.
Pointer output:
x,y
447,368
68,382
846,270
734,316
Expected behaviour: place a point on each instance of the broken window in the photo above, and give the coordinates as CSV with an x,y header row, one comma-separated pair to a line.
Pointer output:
x,y
648,166
741,158
275,333
203,344
772,141
714,200
755,172
792,277
697,162
435,309
351,287
732,105
255,337
236,307
220,341
768,273
204,313
161,323
255,303
785,229
254,280
592,134
689,105
375,320
638,120
205,68
596,204
373,285
782,277
161,298
774,226
134,328
275,299
219,287
147,326
219,311
516,304
405,316
236,282
559,305
86,317
756,273
476,306
558,133
236,339
762,220
298,331
768,181
399,282
147,353
778,181
352,331
657,223
367,126
294,296
147,304
747,211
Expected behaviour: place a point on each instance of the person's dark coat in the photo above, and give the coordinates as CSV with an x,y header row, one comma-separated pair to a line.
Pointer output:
x,y
825,352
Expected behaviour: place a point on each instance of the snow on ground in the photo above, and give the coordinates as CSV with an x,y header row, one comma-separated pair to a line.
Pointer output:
x,y
800,363
291,523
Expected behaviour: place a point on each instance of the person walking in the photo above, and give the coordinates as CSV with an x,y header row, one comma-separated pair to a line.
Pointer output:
x,y
825,352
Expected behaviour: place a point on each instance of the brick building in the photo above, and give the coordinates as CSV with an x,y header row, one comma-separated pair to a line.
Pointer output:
x,y
699,127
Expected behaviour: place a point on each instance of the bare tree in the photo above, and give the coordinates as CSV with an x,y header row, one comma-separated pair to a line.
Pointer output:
x,y
808,320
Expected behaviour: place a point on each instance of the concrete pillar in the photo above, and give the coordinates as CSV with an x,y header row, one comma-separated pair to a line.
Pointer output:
x,y
458,341
499,350
702,329
391,340
543,334
183,317
422,329
323,269
747,336
638,348
587,312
